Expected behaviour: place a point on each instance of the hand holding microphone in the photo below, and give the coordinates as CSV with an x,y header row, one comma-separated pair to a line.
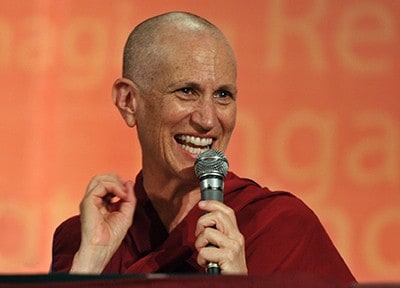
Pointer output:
x,y
219,241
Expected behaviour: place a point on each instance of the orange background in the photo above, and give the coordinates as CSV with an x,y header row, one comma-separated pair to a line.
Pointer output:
x,y
319,114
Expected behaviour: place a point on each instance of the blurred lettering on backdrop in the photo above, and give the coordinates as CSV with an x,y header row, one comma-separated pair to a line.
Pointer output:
x,y
319,114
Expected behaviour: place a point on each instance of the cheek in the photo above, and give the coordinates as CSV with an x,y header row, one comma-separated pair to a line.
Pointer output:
x,y
152,112
175,112
229,119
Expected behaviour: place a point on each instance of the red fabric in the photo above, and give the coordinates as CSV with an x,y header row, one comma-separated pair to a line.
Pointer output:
x,y
282,235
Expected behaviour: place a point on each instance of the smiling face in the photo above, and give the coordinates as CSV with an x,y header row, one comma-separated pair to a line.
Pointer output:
x,y
190,106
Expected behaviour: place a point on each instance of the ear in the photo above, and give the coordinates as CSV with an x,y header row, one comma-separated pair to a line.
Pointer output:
x,y
124,95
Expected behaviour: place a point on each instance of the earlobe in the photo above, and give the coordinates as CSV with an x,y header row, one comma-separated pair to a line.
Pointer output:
x,y
124,94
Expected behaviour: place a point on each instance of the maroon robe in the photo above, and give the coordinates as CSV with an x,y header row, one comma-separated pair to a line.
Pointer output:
x,y
282,235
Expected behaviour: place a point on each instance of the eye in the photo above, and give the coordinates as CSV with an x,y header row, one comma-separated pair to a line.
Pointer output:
x,y
224,96
186,93
186,90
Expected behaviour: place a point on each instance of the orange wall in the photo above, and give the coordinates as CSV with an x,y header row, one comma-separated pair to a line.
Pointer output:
x,y
319,114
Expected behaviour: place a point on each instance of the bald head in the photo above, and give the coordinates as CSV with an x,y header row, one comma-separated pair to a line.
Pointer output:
x,y
152,40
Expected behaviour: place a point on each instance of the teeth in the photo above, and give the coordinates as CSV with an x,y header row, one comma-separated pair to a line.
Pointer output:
x,y
202,144
193,150
196,140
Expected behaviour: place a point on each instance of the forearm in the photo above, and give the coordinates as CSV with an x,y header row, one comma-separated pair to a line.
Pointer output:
x,y
89,261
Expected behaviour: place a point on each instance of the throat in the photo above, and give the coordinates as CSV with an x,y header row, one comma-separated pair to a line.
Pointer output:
x,y
172,212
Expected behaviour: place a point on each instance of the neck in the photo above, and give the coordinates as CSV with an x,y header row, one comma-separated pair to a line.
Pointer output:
x,y
171,199
172,212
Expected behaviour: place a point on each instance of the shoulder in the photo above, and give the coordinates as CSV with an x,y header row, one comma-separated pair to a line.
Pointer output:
x,y
251,201
70,225
282,209
67,235
288,206
249,192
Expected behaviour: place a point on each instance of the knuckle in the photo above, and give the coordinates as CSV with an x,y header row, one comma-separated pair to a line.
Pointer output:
x,y
201,255
230,212
96,178
218,214
240,239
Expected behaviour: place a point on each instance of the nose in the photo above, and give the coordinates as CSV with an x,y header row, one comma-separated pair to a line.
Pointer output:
x,y
204,117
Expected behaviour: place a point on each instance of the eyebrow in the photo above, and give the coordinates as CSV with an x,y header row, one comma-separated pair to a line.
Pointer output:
x,y
231,88
228,87
183,84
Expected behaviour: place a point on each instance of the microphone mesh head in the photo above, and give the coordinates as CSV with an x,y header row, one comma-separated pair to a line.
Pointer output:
x,y
211,162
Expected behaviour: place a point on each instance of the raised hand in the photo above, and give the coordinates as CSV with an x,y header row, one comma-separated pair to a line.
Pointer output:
x,y
219,227
106,213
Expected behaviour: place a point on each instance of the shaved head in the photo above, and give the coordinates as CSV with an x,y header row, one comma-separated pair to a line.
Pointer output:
x,y
155,38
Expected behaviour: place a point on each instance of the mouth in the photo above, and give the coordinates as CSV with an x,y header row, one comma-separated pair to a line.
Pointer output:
x,y
194,145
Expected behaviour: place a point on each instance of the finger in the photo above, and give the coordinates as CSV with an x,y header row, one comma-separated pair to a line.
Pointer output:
x,y
128,204
214,237
107,191
229,255
213,205
130,194
111,179
226,260
124,203
210,236
204,244
222,218
126,192
103,194
209,254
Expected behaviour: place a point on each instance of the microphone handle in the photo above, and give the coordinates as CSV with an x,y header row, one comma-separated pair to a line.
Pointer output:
x,y
212,194
213,268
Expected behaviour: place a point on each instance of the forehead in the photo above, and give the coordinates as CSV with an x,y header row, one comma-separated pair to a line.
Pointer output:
x,y
199,54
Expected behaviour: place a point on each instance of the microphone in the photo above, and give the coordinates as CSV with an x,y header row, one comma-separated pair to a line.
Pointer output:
x,y
211,167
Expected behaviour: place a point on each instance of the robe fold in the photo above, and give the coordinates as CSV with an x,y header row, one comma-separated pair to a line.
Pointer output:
x,y
282,235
